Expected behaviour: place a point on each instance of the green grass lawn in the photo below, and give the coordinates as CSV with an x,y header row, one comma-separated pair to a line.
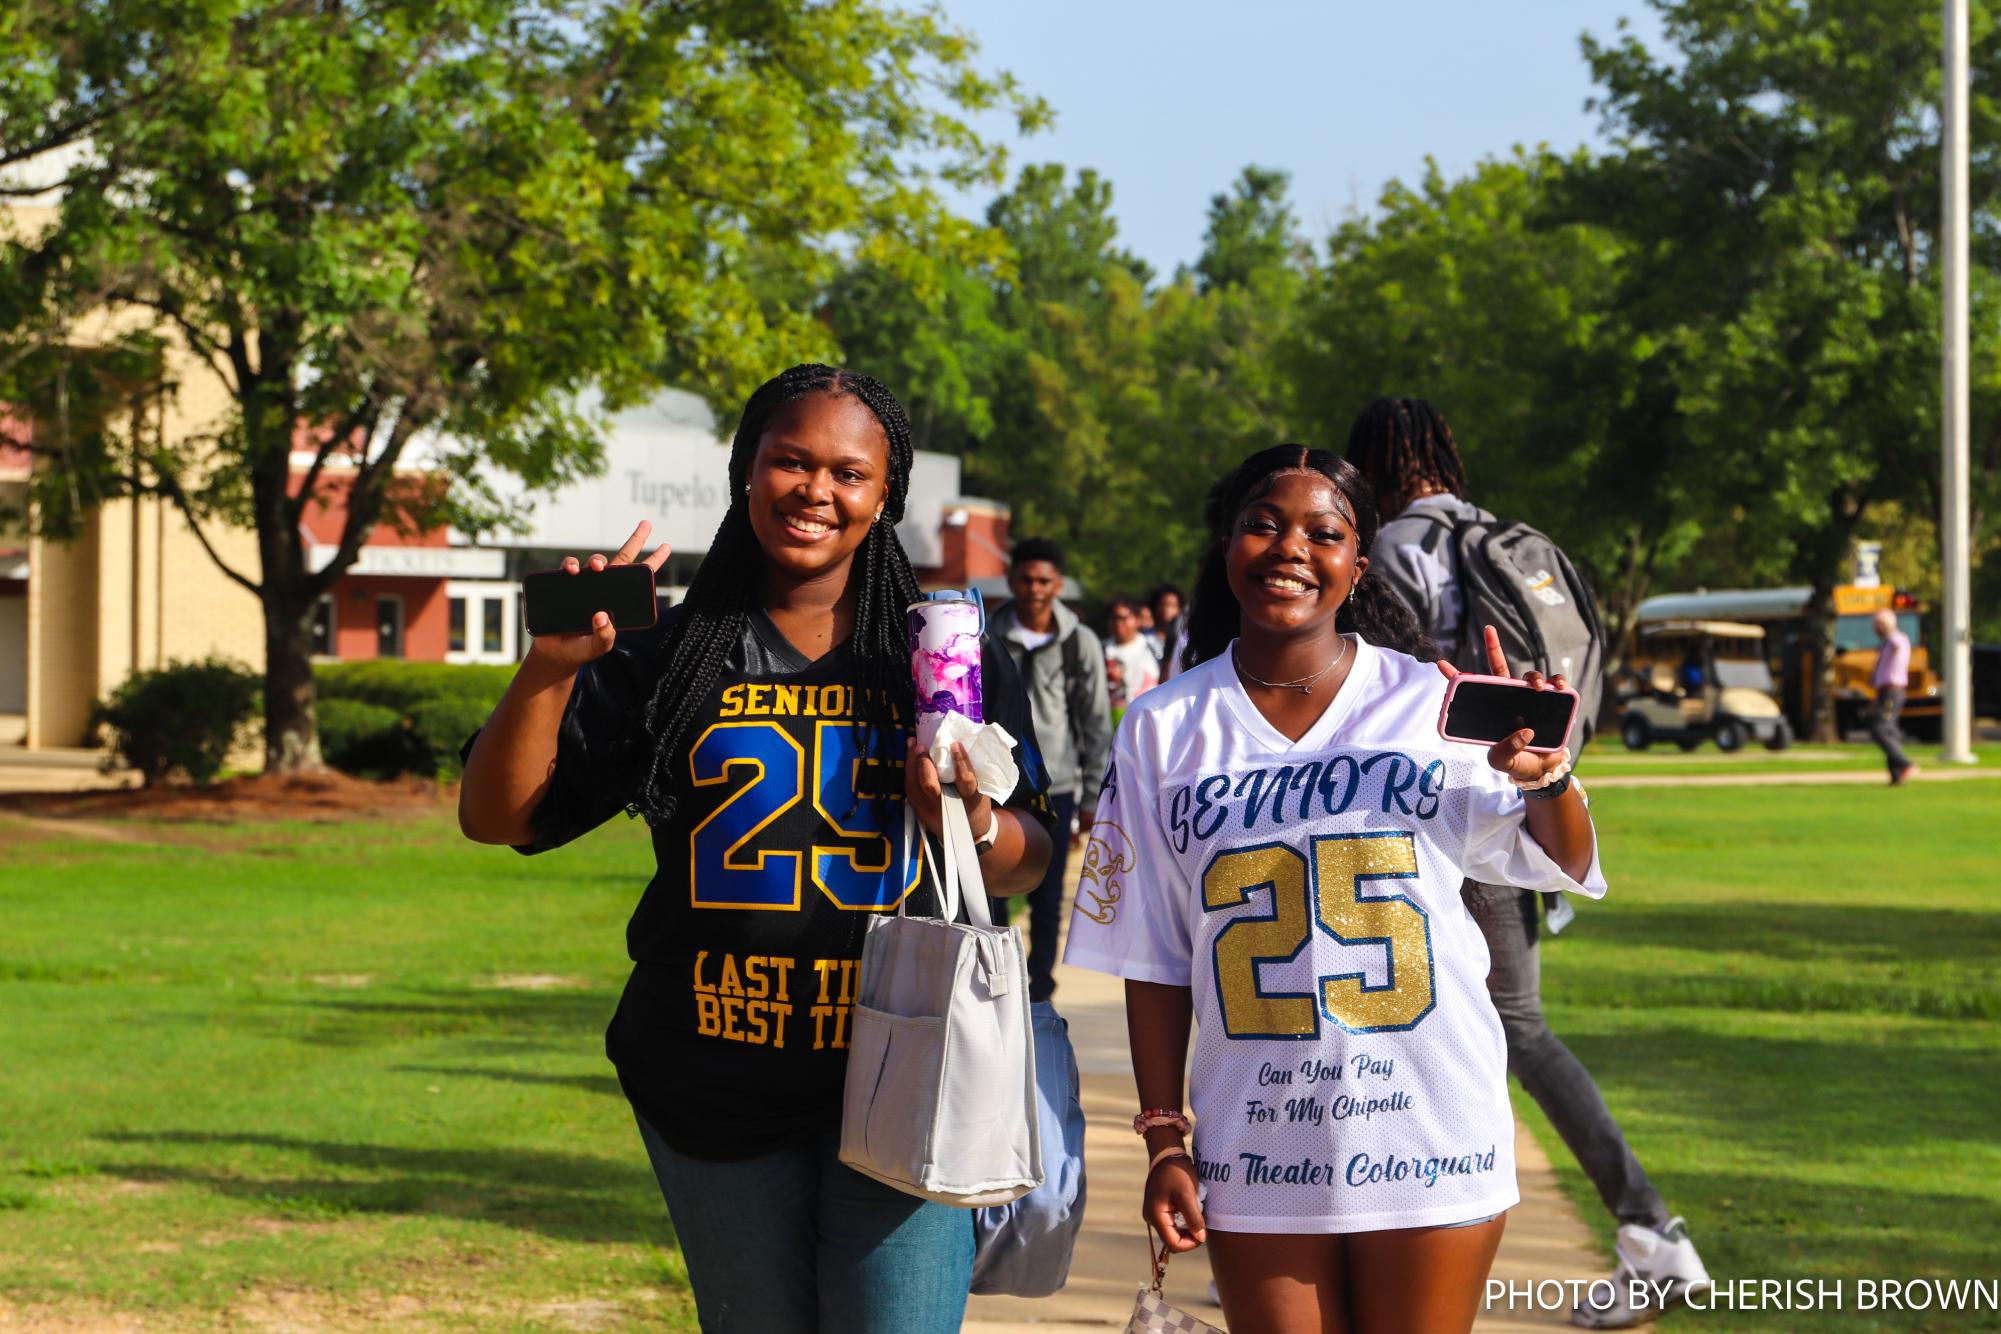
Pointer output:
x,y
1792,1002
313,1076
352,1076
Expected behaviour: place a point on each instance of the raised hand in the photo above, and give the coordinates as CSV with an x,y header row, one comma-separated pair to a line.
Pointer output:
x,y
1510,755
573,651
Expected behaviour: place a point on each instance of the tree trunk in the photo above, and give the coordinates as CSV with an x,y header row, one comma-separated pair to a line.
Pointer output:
x,y
291,729
1819,630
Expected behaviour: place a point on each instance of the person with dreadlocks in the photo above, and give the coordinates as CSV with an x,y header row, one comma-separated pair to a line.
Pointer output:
x,y
1405,449
1279,845
762,729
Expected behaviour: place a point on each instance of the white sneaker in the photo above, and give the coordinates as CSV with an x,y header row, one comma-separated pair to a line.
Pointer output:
x,y
1665,1261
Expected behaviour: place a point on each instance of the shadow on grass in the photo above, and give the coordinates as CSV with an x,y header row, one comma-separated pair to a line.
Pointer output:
x,y
556,1018
1812,1100
1894,959
568,1196
1900,932
606,1084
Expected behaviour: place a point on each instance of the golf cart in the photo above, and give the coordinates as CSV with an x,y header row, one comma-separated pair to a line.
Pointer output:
x,y
1694,681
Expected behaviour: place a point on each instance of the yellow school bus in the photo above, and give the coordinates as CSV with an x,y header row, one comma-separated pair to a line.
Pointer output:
x,y
1782,613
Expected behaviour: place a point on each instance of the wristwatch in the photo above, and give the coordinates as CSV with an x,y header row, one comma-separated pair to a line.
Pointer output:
x,y
982,843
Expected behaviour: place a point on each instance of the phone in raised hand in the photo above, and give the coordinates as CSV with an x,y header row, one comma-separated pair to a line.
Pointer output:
x,y
1487,709
556,602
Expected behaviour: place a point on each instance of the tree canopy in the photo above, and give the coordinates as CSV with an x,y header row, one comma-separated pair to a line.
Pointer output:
x,y
449,218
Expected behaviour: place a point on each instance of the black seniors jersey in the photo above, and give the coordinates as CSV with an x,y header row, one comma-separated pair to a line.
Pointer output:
x,y
732,1033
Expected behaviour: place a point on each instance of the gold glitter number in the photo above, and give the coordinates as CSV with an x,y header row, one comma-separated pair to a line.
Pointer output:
x,y
1248,941
1340,865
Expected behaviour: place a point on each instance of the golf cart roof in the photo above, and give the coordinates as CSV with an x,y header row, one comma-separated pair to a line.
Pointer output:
x,y
1715,629
1757,604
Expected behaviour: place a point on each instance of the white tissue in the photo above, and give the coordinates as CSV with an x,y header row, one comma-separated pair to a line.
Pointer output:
x,y
989,747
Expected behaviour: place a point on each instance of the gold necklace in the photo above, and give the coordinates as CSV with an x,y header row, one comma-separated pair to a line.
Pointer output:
x,y
1304,685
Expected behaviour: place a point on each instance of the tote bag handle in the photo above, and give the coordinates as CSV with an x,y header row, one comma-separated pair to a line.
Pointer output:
x,y
961,880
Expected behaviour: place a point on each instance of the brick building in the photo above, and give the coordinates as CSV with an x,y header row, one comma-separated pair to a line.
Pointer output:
x,y
136,590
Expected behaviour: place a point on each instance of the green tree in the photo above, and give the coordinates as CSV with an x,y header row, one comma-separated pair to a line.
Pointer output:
x,y
1471,293
1098,406
402,219
1777,186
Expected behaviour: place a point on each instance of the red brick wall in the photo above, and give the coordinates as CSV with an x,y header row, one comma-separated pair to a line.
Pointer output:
x,y
973,550
426,616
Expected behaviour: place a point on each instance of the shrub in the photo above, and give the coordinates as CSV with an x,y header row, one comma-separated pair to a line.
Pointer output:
x,y
394,717
182,718
363,738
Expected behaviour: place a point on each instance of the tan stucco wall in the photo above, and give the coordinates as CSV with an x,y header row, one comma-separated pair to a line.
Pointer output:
x,y
136,591
62,638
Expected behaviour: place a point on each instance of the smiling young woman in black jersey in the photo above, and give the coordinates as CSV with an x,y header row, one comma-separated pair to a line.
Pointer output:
x,y
762,728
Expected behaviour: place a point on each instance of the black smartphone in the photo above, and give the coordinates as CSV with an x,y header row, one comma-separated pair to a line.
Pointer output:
x,y
1487,708
556,603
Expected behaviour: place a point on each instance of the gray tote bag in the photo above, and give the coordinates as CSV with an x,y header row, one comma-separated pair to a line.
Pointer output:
x,y
940,1098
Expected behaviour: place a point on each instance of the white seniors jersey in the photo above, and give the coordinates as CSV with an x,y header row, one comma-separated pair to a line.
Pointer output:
x,y
1350,1073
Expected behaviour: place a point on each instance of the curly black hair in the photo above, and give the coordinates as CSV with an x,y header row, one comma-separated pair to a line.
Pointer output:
x,y
1376,612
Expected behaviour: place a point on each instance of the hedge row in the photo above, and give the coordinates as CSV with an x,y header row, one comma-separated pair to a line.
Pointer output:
x,y
387,716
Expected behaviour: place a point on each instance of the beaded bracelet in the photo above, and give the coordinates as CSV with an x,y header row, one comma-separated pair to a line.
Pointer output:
x,y
1154,1117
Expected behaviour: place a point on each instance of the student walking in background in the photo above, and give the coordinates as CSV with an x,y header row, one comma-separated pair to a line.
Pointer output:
x,y
1890,679
762,728
1405,449
1063,666
1170,627
1130,664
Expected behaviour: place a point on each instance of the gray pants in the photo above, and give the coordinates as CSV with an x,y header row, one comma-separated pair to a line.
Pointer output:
x,y
1556,1079
1883,727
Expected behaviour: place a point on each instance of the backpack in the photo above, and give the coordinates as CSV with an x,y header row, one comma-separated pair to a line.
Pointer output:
x,y
1515,579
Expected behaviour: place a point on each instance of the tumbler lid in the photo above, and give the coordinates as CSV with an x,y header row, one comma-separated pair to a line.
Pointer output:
x,y
971,595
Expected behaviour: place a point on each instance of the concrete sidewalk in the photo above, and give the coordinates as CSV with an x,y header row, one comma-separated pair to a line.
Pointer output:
x,y
1544,1239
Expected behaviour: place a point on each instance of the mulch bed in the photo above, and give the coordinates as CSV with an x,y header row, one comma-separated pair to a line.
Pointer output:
x,y
327,797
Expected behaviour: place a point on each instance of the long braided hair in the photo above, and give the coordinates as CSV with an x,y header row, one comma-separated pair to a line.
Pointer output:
x,y
1376,612
1404,448
722,593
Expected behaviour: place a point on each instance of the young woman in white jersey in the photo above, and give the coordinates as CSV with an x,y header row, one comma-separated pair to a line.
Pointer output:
x,y
1278,854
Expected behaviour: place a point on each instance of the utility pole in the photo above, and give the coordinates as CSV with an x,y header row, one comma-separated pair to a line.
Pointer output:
x,y
1956,641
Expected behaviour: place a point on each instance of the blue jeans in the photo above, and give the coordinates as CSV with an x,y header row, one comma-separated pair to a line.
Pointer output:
x,y
793,1242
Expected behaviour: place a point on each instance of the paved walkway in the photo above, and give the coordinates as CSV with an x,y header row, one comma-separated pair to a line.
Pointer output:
x,y
1930,772
1544,1238
58,770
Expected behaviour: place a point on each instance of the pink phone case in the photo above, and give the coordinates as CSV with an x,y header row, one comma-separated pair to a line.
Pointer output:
x,y
1445,710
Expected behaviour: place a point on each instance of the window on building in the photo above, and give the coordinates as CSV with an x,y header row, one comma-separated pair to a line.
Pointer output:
x,y
457,643
323,627
389,627
490,625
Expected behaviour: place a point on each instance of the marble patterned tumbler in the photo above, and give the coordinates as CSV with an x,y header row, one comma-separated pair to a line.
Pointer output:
x,y
945,662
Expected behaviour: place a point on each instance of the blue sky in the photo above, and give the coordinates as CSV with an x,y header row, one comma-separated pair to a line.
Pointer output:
x,y
1170,99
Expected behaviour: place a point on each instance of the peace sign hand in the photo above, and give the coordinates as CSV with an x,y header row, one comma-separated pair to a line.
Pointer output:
x,y
569,652
1510,754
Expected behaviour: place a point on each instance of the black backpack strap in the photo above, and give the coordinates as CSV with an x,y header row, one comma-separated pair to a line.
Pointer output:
x,y
1076,690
